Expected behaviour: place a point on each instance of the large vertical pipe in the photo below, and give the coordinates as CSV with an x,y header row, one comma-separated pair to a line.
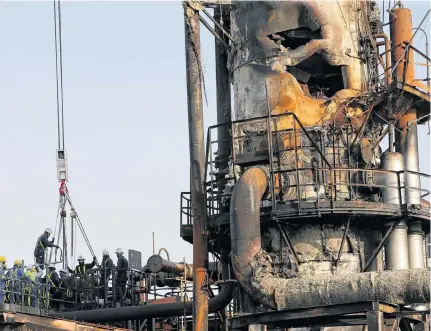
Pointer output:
x,y
197,165
409,147
391,134
396,249
416,245
428,250
401,31
416,239
392,181
222,88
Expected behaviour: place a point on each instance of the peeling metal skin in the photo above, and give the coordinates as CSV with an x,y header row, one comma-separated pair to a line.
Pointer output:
x,y
259,26
396,287
253,268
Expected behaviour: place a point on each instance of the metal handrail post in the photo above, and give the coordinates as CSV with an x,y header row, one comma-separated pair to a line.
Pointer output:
x,y
298,192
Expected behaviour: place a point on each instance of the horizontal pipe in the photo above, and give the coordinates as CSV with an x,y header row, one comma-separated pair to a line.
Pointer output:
x,y
220,301
254,271
156,264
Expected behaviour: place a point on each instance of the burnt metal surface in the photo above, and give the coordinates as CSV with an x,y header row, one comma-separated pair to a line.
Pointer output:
x,y
245,230
310,113
223,92
277,35
254,270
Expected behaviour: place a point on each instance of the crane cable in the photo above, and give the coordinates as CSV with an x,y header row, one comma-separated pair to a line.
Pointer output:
x,y
59,73
64,194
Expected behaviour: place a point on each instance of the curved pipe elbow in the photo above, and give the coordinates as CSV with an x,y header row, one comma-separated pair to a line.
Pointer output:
x,y
253,268
245,232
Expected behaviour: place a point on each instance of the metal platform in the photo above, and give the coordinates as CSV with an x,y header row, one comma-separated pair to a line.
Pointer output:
x,y
14,317
376,315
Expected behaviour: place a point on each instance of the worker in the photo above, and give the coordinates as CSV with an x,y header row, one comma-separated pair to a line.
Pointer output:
x,y
121,278
63,291
82,267
63,273
41,245
107,267
30,288
14,276
2,279
52,280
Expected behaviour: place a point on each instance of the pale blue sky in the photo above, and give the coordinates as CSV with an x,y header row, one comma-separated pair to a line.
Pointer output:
x,y
126,122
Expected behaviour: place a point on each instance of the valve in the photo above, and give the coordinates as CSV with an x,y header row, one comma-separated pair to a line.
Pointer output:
x,y
62,168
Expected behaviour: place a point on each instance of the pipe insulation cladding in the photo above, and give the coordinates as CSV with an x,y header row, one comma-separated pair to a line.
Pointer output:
x,y
253,268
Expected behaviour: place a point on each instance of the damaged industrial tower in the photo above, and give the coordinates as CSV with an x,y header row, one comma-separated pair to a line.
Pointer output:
x,y
312,223
297,186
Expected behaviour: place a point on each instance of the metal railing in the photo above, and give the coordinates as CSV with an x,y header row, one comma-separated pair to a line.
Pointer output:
x,y
185,209
87,291
318,169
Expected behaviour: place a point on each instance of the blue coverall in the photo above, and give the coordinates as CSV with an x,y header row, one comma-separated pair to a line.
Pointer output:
x,y
15,276
2,284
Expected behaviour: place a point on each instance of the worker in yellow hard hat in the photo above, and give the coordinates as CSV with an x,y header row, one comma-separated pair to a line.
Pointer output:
x,y
2,279
30,288
14,276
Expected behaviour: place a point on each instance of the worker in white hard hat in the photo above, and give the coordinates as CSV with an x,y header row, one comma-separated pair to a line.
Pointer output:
x,y
107,268
121,278
41,245
63,273
82,267
63,291
52,281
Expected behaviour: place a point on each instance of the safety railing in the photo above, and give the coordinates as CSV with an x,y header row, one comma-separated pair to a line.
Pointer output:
x,y
304,164
405,58
88,291
186,217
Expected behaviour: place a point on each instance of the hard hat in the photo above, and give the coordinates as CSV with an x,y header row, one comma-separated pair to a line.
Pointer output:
x,y
52,265
17,262
63,270
2,259
105,252
48,230
80,257
29,267
119,251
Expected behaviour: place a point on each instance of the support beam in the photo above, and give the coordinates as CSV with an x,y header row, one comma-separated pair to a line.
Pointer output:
x,y
197,166
375,321
224,109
